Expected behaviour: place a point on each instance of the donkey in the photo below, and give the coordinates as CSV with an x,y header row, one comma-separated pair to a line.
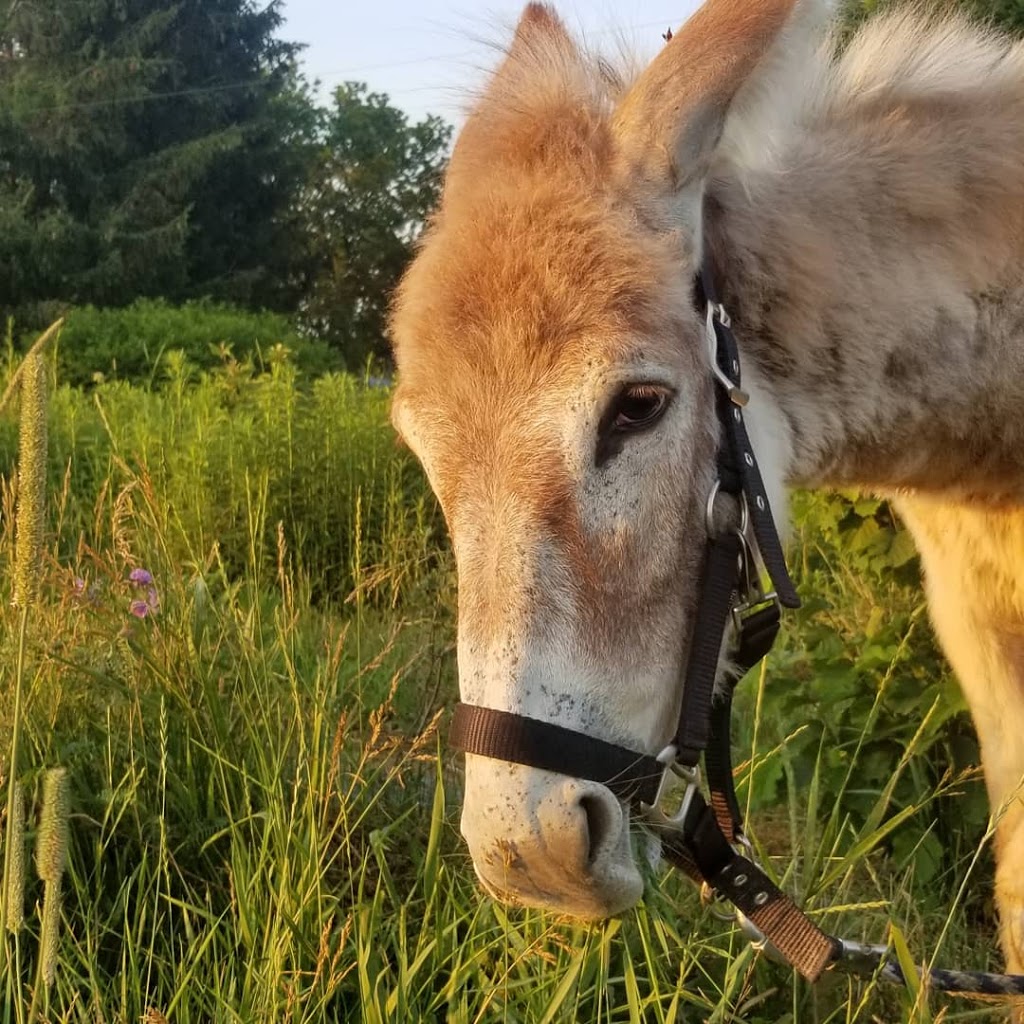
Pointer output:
x,y
862,209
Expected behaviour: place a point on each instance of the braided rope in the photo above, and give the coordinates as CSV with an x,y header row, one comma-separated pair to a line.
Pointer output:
x,y
876,961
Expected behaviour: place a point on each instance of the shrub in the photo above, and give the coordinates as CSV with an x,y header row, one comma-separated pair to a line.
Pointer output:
x,y
857,682
132,343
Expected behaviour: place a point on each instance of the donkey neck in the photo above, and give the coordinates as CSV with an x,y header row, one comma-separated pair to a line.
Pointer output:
x,y
887,361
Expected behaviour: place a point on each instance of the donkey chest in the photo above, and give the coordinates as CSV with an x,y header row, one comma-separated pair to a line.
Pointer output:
x,y
981,551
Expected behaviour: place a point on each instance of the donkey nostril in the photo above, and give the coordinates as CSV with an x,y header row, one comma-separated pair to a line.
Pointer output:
x,y
603,817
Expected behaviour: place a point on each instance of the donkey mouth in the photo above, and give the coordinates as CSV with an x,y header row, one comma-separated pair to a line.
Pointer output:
x,y
617,891
525,874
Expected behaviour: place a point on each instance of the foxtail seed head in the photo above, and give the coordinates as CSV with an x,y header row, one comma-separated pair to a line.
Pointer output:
x,y
15,894
50,934
52,840
31,479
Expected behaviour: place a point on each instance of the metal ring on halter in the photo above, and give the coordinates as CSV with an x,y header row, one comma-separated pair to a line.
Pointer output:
x,y
718,906
709,510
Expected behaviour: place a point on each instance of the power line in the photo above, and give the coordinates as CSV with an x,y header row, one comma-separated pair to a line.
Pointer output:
x,y
149,97
264,80
337,72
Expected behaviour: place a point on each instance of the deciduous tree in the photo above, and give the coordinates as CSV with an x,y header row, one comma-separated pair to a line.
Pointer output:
x,y
377,179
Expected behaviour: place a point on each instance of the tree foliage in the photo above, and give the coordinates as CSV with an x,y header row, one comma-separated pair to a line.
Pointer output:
x,y
1005,14
143,150
152,149
377,179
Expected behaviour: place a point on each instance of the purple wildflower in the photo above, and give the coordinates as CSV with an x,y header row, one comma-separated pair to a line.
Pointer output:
x,y
141,577
139,609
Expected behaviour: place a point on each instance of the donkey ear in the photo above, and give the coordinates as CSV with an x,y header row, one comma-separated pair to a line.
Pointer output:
x,y
538,22
541,44
542,69
670,121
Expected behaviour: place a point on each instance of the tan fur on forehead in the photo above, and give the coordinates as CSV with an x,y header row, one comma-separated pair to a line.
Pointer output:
x,y
514,277
534,248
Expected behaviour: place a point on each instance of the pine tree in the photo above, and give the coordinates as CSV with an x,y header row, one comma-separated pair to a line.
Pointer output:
x,y
146,148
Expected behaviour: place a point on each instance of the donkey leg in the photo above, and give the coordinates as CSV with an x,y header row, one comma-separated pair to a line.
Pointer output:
x,y
974,573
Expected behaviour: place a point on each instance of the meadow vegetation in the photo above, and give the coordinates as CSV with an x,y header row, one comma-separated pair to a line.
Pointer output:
x,y
240,650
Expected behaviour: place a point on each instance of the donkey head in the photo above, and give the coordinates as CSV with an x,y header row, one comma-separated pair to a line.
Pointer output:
x,y
555,383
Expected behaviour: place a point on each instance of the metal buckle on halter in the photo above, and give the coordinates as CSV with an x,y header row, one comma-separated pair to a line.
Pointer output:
x,y
736,394
690,775
752,596
754,600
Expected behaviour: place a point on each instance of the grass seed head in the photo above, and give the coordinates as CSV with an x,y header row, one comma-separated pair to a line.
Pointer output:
x,y
31,479
52,841
16,844
49,938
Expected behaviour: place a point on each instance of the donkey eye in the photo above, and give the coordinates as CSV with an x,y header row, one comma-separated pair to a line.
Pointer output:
x,y
638,407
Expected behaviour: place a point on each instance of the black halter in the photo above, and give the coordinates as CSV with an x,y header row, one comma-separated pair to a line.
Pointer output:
x,y
731,589
705,836
702,837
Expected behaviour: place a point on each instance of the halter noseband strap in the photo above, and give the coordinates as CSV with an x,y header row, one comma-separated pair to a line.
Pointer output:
x,y
508,737
701,837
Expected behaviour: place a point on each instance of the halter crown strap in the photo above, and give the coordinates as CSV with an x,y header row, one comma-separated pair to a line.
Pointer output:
x,y
736,455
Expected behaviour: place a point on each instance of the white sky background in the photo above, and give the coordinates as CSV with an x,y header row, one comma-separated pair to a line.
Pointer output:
x,y
427,55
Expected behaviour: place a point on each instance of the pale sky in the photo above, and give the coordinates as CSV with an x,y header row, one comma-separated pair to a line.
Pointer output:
x,y
426,55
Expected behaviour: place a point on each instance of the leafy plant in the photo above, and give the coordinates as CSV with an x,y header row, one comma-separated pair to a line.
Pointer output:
x,y
134,343
856,674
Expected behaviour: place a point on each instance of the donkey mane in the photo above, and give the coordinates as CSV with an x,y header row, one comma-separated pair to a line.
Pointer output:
x,y
908,57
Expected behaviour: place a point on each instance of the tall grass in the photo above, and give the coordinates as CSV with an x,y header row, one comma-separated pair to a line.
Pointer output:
x,y
264,822
317,457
